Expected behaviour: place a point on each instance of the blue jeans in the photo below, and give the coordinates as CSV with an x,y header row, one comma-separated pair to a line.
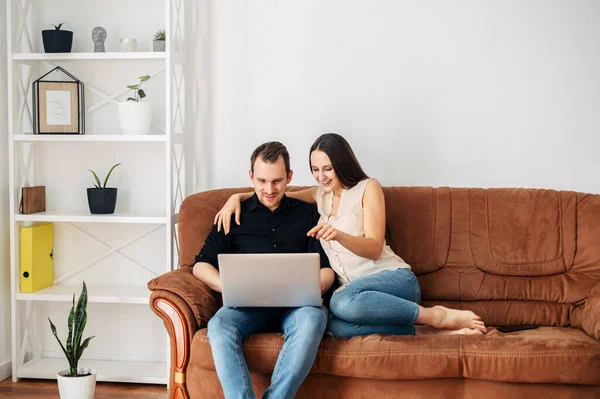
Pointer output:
x,y
303,328
381,303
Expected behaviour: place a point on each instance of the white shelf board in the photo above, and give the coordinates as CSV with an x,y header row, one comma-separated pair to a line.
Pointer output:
x,y
154,218
107,370
89,56
96,294
30,137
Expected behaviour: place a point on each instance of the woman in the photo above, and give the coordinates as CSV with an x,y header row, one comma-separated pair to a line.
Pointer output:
x,y
379,294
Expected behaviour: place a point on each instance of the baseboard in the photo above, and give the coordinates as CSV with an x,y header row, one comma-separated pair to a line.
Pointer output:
x,y
5,370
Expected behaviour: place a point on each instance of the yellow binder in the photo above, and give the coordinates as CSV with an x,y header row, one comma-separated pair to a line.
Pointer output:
x,y
37,265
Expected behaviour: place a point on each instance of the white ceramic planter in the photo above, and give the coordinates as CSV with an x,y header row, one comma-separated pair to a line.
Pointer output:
x,y
135,117
77,387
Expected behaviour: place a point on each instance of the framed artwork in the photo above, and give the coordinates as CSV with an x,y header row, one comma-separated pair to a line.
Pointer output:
x,y
58,106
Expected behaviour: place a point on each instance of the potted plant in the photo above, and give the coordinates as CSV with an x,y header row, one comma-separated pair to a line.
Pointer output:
x,y
101,199
135,116
74,382
57,40
159,42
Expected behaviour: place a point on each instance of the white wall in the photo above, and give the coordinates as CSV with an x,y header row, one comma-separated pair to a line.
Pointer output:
x,y
5,343
429,92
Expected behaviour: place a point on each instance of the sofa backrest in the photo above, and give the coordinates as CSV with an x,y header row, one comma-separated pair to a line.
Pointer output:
x,y
511,255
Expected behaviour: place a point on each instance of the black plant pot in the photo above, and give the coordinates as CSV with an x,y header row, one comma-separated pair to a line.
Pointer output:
x,y
102,201
57,41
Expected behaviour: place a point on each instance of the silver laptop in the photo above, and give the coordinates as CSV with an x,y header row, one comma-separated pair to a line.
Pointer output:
x,y
270,280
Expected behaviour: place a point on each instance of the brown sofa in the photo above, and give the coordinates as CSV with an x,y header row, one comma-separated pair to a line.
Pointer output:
x,y
514,256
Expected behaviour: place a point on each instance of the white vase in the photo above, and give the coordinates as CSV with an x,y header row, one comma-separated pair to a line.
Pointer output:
x,y
128,44
77,387
135,117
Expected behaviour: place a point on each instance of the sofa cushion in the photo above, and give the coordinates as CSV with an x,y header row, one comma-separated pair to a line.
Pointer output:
x,y
376,356
517,232
508,313
390,357
418,225
544,355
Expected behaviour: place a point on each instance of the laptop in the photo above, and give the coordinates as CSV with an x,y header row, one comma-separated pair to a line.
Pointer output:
x,y
270,280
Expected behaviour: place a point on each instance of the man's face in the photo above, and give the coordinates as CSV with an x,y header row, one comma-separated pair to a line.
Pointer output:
x,y
270,181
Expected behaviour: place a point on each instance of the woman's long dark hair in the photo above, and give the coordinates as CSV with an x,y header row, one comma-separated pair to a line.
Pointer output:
x,y
344,162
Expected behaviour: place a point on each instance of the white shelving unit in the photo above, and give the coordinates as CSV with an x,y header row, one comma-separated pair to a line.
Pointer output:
x,y
89,138
74,218
116,371
89,56
110,253
64,293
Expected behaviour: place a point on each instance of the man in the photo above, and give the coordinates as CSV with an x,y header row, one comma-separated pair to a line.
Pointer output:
x,y
271,222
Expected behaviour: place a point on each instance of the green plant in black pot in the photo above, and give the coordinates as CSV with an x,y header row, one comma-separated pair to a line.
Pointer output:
x,y
57,40
101,199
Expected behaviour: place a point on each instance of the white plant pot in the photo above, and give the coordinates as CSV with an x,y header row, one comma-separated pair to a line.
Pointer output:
x,y
135,117
77,387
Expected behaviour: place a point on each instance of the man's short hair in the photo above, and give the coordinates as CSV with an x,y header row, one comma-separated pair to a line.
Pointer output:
x,y
270,153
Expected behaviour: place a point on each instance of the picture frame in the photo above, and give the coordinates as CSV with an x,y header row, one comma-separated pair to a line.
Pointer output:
x,y
58,106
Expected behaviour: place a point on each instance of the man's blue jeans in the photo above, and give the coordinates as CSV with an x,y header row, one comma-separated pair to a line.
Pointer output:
x,y
303,328
382,303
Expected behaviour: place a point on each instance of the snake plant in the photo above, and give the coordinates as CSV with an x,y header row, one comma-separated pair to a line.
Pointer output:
x,y
97,184
77,322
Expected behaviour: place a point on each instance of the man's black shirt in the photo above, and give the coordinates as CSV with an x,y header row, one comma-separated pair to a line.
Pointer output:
x,y
265,231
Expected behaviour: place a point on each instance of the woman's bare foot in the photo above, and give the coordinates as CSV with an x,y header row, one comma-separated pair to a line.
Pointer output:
x,y
450,319
428,330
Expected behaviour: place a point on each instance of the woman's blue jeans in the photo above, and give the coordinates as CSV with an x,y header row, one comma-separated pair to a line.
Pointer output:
x,y
381,303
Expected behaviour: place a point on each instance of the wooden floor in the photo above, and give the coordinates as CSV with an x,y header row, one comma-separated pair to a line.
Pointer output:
x,y
33,389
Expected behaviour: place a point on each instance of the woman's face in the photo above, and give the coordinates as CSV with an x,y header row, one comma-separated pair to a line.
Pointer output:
x,y
323,172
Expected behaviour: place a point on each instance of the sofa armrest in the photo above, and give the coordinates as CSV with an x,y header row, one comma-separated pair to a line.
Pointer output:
x,y
591,314
185,305
201,300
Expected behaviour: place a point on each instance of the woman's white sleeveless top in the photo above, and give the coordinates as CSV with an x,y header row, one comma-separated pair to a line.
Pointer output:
x,y
349,219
